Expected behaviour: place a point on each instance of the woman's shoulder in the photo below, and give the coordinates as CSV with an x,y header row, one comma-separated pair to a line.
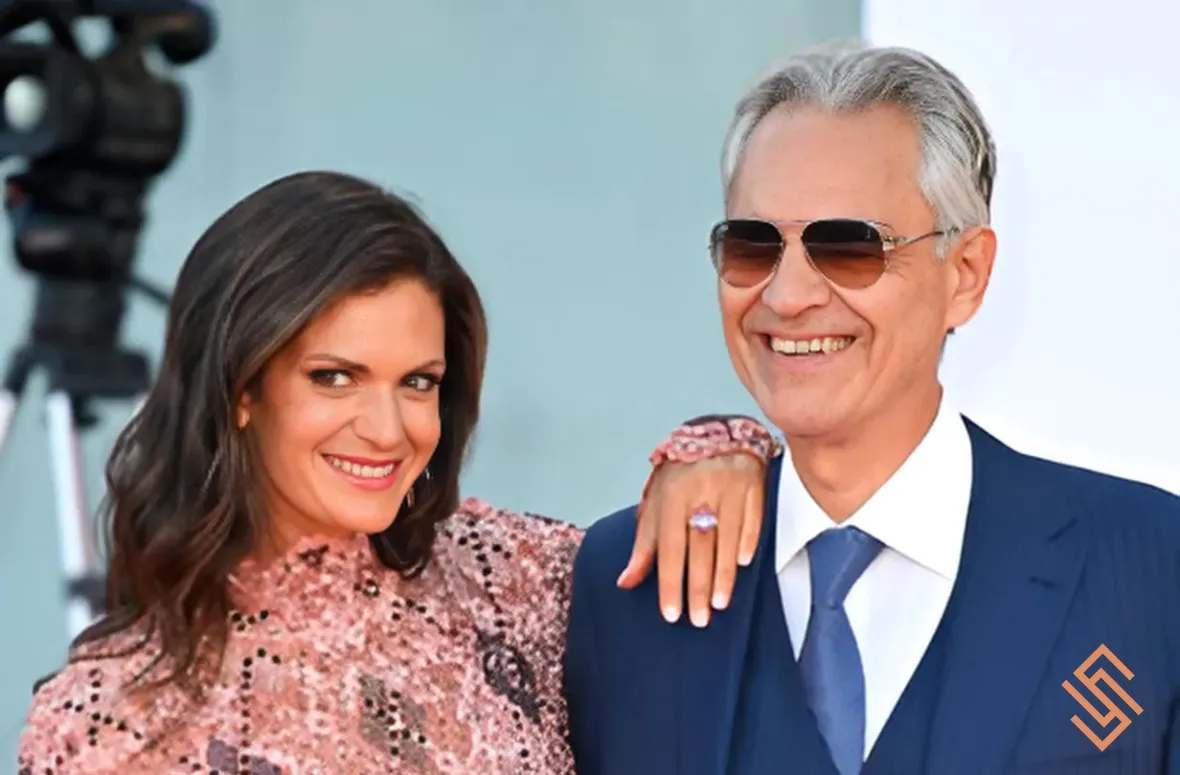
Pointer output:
x,y
477,528
514,527
82,713
93,668
502,550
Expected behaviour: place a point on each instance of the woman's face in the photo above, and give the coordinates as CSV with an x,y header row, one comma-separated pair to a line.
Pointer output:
x,y
347,415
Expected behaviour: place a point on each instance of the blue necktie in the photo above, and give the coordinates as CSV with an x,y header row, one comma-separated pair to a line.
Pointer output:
x,y
830,662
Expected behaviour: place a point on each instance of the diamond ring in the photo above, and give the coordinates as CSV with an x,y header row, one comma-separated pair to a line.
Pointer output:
x,y
703,520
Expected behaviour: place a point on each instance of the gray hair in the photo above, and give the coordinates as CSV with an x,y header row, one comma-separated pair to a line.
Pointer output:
x,y
958,154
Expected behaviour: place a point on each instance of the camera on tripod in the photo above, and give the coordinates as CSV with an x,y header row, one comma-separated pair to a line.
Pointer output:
x,y
93,134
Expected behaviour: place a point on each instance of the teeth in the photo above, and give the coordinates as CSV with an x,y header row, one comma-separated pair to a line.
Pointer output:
x,y
369,472
827,344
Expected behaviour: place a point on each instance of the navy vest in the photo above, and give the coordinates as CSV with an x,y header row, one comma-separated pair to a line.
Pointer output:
x,y
775,731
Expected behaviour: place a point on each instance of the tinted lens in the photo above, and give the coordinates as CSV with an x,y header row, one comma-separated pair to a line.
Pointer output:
x,y
847,252
745,252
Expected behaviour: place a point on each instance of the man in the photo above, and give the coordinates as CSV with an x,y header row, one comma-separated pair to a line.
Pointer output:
x,y
922,595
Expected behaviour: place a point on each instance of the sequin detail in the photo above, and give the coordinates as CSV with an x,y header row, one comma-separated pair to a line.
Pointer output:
x,y
337,666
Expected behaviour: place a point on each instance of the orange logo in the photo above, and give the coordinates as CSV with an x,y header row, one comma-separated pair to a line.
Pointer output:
x,y
1113,711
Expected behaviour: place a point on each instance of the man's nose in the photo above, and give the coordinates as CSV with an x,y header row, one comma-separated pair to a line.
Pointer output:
x,y
795,286
380,420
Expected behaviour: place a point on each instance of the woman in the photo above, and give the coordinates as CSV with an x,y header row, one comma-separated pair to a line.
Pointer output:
x,y
318,387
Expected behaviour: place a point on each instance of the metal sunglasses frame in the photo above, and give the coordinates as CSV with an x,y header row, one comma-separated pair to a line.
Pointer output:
x,y
889,242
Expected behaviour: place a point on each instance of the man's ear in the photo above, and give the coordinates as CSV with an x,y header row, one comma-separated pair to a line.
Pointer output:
x,y
970,273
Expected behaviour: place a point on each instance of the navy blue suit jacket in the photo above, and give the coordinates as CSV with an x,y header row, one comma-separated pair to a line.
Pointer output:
x,y
1057,561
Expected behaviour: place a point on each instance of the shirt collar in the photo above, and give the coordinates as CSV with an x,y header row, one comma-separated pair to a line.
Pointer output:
x,y
920,512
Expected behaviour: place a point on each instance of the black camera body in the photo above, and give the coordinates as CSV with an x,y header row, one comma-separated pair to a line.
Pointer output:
x,y
94,133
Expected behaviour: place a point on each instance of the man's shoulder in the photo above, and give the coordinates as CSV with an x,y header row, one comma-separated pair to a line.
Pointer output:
x,y
599,602
1116,504
1108,502
607,544
1111,487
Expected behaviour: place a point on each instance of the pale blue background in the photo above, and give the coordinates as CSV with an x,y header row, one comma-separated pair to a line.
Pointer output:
x,y
568,151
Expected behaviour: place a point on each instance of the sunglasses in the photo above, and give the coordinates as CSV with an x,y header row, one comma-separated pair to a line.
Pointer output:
x,y
851,253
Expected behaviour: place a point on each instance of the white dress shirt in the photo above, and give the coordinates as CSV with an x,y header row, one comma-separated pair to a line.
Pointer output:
x,y
920,515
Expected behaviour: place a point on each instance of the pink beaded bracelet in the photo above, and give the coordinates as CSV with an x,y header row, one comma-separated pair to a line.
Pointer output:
x,y
716,436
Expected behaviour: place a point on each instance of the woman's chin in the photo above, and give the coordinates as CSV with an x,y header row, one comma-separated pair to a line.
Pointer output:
x,y
367,522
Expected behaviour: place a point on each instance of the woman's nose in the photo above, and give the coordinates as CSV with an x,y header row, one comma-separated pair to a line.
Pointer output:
x,y
380,421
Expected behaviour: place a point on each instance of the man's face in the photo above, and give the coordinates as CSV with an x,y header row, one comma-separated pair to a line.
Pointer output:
x,y
805,164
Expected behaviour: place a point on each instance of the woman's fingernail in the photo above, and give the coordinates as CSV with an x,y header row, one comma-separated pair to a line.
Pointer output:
x,y
699,618
720,601
744,560
671,613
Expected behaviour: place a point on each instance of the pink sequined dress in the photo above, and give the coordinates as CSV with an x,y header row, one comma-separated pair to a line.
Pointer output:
x,y
337,666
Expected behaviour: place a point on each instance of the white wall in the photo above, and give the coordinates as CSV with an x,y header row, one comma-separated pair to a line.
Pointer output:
x,y
1074,355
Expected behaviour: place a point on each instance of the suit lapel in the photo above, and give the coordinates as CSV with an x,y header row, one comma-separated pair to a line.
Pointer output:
x,y
1022,558
711,659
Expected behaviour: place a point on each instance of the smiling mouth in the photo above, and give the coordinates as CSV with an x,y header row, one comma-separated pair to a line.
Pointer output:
x,y
364,471
824,345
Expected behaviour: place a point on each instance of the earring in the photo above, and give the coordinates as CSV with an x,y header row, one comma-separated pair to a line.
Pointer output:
x,y
410,493
243,418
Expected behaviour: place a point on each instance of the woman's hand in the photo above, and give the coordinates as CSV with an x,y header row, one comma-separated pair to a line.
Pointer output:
x,y
715,468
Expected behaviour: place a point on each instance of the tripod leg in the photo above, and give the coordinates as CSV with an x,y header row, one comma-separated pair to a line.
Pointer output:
x,y
77,554
9,403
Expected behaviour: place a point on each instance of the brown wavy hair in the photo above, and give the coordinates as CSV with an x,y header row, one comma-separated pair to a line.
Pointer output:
x,y
183,508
